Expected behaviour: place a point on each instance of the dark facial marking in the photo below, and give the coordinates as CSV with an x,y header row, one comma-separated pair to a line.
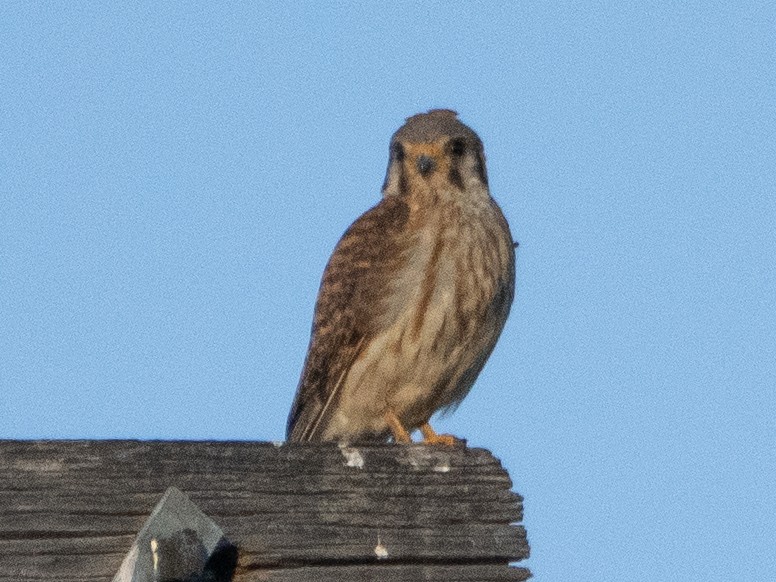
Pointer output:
x,y
457,147
404,187
397,152
455,177
396,156
479,167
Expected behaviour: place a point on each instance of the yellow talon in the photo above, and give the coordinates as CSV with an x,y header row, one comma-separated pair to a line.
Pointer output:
x,y
400,434
430,437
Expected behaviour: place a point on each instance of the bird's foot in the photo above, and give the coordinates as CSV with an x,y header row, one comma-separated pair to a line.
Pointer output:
x,y
400,434
430,437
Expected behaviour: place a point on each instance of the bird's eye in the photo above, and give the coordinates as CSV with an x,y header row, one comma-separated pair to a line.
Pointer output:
x,y
458,147
398,151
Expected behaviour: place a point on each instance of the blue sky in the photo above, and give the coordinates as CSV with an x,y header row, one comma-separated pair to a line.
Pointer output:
x,y
173,179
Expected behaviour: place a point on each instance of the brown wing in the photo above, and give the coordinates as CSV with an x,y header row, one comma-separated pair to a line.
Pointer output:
x,y
348,312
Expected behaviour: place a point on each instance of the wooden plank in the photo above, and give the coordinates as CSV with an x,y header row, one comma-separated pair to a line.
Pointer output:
x,y
69,510
395,573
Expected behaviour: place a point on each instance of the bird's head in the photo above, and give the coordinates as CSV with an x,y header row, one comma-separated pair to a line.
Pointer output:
x,y
435,153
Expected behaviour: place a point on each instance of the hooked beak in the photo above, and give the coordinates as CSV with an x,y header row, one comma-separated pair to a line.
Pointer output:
x,y
425,165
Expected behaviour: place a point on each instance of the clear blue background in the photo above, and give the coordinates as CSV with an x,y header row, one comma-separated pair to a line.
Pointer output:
x,y
173,179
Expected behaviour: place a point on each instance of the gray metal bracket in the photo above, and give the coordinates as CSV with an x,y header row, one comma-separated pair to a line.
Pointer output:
x,y
178,543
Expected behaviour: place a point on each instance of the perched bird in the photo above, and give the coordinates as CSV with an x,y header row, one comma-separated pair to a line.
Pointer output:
x,y
414,296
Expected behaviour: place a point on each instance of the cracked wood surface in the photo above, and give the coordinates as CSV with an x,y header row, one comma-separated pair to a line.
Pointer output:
x,y
70,510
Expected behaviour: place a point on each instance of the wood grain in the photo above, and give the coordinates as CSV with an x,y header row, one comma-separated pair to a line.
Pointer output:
x,y
70,510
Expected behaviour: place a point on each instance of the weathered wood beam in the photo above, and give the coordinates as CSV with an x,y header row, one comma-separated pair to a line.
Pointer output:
x,y
70,510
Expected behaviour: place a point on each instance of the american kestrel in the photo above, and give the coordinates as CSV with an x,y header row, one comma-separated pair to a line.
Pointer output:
x,y
414,296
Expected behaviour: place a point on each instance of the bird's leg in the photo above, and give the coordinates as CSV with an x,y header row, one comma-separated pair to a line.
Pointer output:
x,y
430,437
400,434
